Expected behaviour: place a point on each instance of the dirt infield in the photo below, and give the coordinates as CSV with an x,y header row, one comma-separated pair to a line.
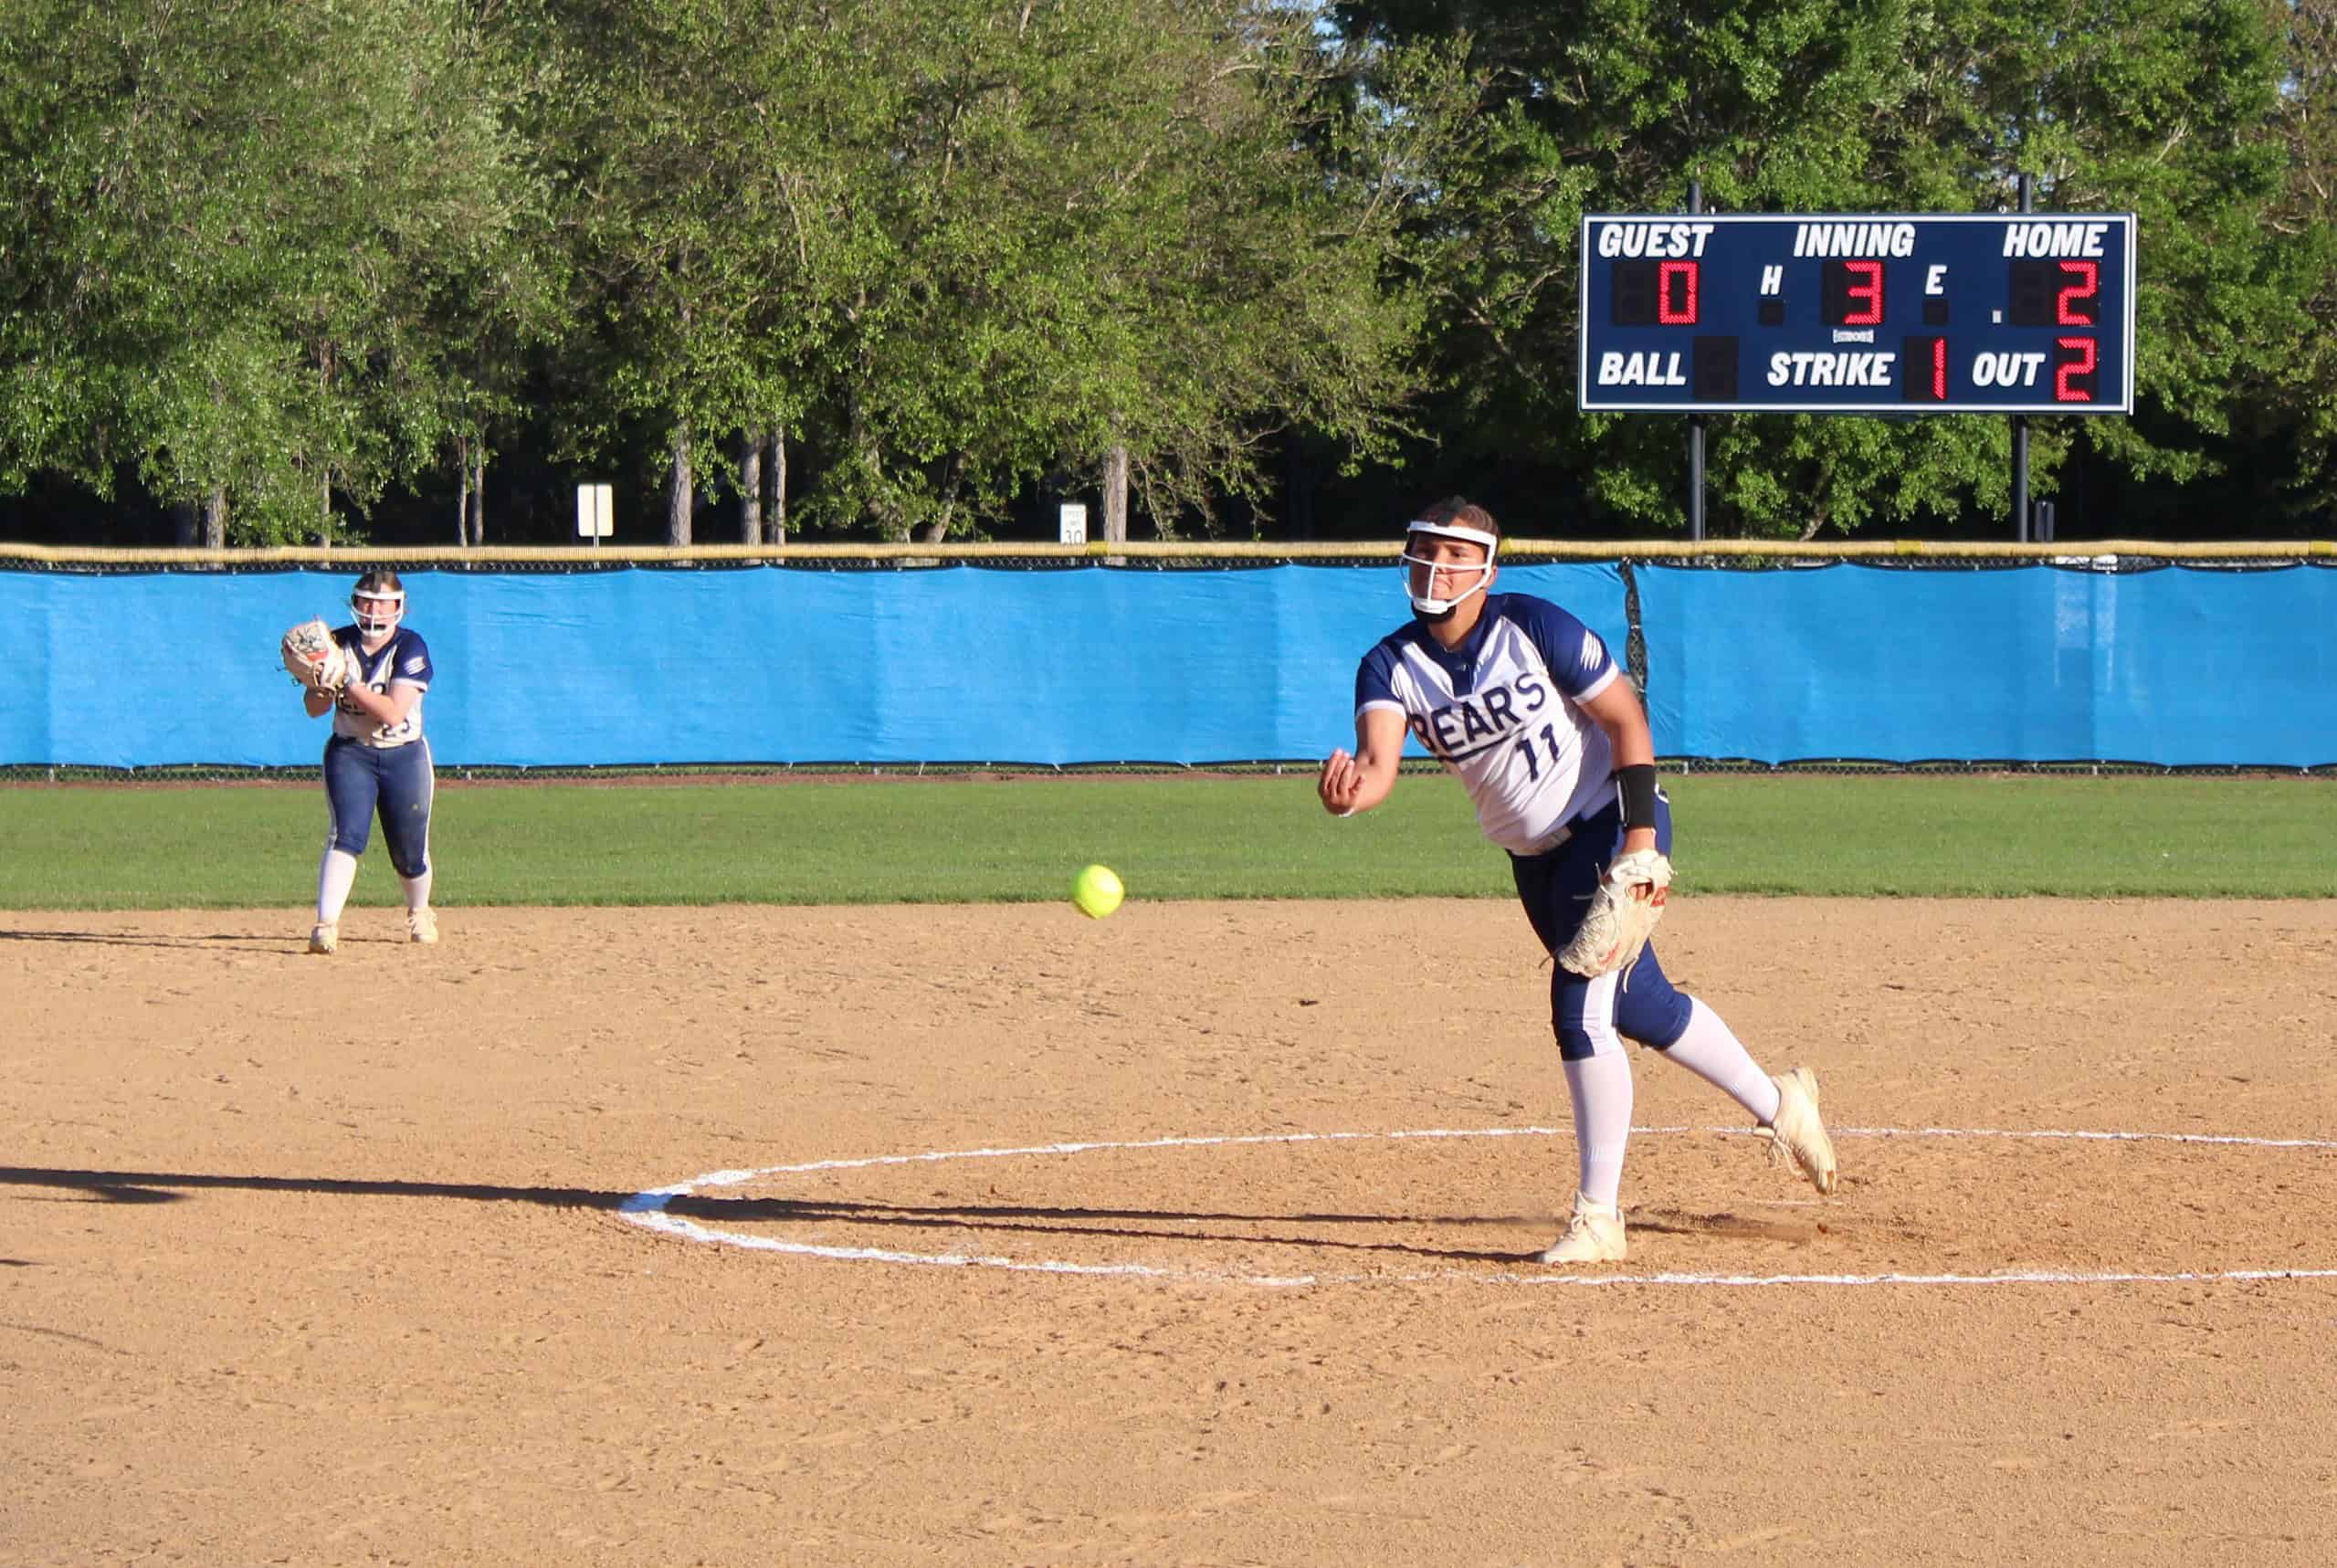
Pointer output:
x,y
345,1261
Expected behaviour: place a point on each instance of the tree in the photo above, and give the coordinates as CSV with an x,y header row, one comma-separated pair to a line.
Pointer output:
x,y
955,243
243,241
2159,106
1243,231
684,155
2291,413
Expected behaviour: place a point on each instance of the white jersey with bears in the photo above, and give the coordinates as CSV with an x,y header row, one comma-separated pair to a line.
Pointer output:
x,y
1503,713
403,660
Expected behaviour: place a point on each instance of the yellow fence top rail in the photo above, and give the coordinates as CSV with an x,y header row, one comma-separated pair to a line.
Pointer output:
x,y
356,556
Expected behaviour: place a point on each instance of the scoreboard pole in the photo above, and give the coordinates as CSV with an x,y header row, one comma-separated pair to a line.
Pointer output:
x,y
1696,422
2020,421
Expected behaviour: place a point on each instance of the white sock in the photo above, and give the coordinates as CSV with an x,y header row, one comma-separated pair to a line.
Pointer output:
x,y
417,891
335,877
1601,1089
1709,1051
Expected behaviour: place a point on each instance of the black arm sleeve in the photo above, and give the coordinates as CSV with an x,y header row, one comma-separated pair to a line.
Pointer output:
x,y
1636,785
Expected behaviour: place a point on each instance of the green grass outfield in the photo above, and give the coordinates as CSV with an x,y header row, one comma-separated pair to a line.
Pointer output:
x,y
853,839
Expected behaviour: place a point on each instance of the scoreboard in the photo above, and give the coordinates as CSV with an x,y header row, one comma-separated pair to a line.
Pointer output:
x,y
1833,313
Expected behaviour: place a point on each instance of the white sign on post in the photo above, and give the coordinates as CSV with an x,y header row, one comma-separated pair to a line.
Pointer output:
x,y
1075,522
593,520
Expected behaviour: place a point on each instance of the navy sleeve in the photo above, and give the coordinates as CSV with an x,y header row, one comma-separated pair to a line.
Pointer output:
x,y
413,666
1375,679
1577,658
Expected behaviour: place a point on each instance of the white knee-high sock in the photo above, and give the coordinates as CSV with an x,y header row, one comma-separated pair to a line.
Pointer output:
x,y
417,891
1600,1087
335,877
1713,1053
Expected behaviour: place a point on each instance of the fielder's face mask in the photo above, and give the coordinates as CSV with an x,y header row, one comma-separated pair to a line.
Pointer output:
x,y
1420,571
378,613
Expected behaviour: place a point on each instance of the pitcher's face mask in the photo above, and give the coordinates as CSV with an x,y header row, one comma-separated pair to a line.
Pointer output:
x,y
1424,564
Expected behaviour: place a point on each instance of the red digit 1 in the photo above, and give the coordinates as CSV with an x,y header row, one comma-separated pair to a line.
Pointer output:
x,y
1939,369
2083,366
1870,291
2089,276
1685,316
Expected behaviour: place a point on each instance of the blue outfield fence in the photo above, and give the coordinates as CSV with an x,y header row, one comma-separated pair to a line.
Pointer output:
x,y
2176,668
972,665
947,666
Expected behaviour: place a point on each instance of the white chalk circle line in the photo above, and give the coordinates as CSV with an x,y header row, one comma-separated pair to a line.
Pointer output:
x,y
650,1211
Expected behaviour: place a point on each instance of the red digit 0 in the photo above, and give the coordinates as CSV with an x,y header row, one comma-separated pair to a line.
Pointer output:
x,y
1665,272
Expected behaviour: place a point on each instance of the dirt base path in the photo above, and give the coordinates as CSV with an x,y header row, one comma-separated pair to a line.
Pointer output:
x,y
328,1261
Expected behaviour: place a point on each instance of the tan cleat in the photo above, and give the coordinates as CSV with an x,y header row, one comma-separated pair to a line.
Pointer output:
x,y
1593,1235
324,938
421,925
1797,1132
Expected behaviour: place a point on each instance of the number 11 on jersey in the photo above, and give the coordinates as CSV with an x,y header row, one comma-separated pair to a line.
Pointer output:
x,y
1525,747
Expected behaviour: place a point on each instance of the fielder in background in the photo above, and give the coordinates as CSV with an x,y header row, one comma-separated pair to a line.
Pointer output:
x,y
1522,703
371,681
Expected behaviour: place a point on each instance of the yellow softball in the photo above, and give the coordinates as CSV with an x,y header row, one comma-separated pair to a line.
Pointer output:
x,y
1096,891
